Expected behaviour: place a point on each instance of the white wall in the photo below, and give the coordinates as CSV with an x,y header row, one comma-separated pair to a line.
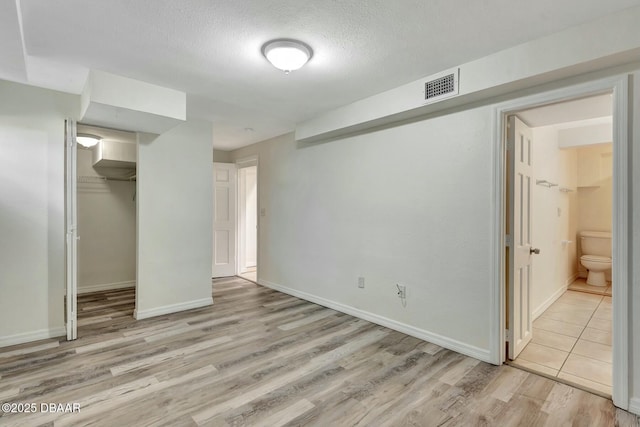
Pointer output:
x,y
107,230
554,219
175,207
119,102
341,209
408,205
32,211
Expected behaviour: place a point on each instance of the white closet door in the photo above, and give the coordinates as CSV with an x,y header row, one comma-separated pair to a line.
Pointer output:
x,y
224,219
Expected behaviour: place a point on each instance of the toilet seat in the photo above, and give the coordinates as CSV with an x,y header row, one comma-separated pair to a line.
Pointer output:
x,y
595,258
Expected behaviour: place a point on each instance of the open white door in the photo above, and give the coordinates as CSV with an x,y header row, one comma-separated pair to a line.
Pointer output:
x,y
519,165
224,219
71,229
247,218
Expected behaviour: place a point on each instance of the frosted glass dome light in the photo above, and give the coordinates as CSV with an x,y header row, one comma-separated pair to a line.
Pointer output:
x,y
287,55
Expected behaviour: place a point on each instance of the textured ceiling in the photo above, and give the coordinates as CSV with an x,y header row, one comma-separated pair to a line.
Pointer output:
x,y
210,49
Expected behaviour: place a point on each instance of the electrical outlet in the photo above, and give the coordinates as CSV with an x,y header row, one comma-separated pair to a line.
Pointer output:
x,y
402,291
361,282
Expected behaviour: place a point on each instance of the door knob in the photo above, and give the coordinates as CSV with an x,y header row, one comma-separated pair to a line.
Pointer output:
x,y
534,251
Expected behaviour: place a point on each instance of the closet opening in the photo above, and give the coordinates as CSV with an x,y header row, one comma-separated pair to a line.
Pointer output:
x,y
106,226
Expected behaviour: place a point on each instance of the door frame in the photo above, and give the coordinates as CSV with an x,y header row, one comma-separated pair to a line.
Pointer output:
x,y
71,230
241,163
619,87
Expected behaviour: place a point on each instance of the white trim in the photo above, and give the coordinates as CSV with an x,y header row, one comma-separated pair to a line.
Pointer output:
x,y
25,337
634,303
497,242
620,235
172,308
248,161
442,341
71,230
619,85
86,289
571,279
541,309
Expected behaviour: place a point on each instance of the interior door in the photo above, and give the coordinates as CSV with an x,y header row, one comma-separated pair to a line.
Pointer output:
x,y
519,159
224,219
248,218
71,230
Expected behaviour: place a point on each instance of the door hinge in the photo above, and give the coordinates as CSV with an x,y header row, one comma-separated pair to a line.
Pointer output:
x,y
508,241
508,335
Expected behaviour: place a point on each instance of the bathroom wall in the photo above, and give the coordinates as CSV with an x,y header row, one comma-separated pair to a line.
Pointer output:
x,y
554,218
595,170
595,190
107,230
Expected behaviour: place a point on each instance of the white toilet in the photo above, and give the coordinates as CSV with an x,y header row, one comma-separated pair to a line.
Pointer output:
x,y
596,255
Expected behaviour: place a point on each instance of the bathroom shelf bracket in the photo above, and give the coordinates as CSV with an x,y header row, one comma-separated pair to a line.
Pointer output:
x,y
545,183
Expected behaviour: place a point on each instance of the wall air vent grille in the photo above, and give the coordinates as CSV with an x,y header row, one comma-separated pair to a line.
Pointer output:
x,y
439,87
443,86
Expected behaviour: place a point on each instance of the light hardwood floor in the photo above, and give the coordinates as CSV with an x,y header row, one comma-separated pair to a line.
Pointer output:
x,y
260,357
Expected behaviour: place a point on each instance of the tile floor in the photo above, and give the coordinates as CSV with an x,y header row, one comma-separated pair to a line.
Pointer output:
x,y
251,274
572,342
581,285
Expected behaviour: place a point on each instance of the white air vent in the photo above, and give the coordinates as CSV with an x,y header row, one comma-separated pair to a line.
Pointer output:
x,y
441,86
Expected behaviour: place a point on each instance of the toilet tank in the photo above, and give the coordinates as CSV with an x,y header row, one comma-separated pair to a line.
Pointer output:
x,y
596,243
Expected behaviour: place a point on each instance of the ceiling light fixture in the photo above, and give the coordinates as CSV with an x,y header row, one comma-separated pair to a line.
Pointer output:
x,y
286,54
87,140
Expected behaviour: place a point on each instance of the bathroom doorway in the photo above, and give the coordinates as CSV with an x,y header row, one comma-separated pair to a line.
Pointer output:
x,y
518,304
248,219
570,192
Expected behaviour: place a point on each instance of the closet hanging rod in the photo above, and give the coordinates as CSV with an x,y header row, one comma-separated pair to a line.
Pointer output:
x,y
97,179
545,183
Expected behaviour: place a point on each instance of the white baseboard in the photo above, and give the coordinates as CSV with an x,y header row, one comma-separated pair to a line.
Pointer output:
x,y
442,341
173,308
85,289
541,309
634,405
25,337
571,279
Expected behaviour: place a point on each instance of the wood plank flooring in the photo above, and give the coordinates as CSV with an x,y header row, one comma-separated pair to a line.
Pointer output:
x,y
260,357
